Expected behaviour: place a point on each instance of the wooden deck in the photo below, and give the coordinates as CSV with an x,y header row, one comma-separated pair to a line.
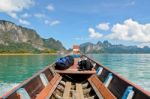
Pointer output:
x,y
74,69
79,91
100,89
66,94
72,86
48,90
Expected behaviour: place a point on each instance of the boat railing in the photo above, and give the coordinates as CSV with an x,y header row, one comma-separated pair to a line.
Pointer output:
x,y
34,84
117,84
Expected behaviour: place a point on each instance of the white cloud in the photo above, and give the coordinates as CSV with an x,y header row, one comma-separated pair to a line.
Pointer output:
x,y
103,26
55,22
130,3
141,45
52,23
46,22
24,22
9,6
13,15
82,38
94,34
130,30
25,15
12,7
40,15
50,7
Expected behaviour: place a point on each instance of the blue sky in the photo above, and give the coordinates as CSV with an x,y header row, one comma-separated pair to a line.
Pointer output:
x,y
78,21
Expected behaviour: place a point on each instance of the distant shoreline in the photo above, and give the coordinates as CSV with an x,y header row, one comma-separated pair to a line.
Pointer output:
x,y
1,54
5,54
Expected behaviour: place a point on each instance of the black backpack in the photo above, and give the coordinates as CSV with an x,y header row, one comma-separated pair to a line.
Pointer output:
x,y
85,65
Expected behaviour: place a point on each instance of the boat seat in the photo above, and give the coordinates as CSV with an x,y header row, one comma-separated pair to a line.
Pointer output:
x,y
74,69
66,94
47,91
100,89
79,92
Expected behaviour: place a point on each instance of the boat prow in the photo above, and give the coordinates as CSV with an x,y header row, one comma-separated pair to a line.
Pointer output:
x,y
72,83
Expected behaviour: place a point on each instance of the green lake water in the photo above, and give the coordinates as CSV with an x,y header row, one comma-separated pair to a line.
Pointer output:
x,y
134,67
15,69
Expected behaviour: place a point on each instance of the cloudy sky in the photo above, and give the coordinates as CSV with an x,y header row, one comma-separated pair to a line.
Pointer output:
x,y
77,21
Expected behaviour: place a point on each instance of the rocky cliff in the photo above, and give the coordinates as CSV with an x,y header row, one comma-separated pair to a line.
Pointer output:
x,y
12,35
107,47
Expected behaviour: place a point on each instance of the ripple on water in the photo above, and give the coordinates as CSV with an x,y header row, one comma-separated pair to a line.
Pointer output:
x,y
5,87
134,67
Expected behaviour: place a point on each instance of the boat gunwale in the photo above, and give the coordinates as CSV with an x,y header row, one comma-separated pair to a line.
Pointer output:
x,y
13,90
120,77
91,81
53,82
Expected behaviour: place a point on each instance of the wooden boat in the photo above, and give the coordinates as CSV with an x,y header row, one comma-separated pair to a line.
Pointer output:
x,y
98,83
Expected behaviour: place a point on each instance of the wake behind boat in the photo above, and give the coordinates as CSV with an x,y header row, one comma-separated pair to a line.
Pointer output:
x,y
76,77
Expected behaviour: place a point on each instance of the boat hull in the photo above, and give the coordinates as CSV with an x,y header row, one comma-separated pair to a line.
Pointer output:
x,y
100,82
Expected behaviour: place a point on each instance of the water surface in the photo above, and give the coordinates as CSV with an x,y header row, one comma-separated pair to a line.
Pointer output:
x,y
15,69
18,68
134,67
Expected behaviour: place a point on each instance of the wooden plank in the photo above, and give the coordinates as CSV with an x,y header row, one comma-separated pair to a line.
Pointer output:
x,y
13,96
96,90
66,93
34,87
48,90
79,92
99,86
75,71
